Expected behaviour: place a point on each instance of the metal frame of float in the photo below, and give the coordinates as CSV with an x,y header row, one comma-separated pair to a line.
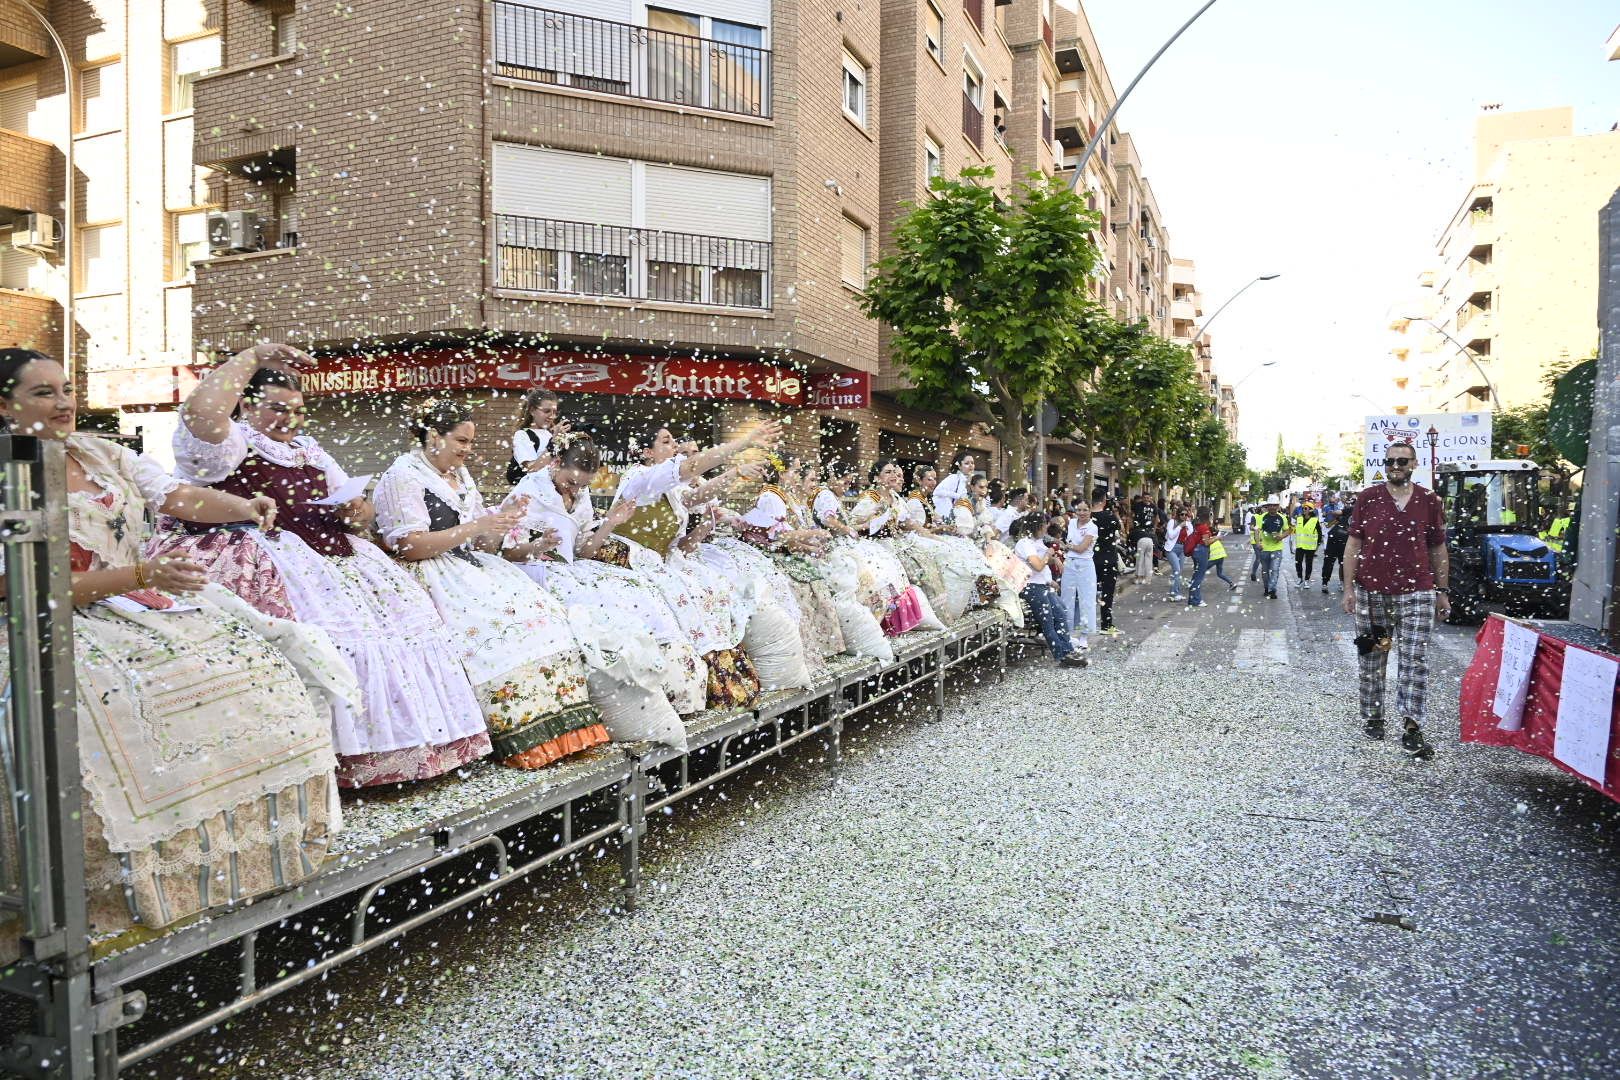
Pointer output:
x,y
509,825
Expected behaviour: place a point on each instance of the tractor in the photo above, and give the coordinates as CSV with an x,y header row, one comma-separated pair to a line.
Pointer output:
x,y
1497,554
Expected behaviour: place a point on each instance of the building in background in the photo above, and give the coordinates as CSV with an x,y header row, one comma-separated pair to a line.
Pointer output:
x,y
1515,279
141,204
672,211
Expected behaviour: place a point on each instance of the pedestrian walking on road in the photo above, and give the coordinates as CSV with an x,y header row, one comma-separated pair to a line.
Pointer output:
x,y
1395,571
1196,548
1255,561
1333,549
1140,539
1029,544
1175,535
1275,529
1307,538
1106,559
1217,560
1078,595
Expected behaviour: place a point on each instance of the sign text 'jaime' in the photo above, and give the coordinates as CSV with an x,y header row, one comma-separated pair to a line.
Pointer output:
x,y
839,390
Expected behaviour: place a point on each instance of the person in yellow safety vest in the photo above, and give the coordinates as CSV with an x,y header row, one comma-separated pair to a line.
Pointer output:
x,y
1556,531
1508,516
1307,538
1275,528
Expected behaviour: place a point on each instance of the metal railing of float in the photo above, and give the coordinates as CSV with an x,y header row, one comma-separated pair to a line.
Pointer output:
x,y
99,1006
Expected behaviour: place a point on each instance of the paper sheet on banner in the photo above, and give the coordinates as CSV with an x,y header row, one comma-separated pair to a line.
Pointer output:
x,y
1585,713
351,490
1513,676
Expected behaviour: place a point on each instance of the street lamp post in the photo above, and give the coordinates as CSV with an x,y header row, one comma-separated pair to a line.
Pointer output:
x,y
69,330
1433,437
1079,170
1202,330
1496,401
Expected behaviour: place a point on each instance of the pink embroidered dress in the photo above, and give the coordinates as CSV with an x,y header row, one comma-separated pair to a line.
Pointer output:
x,y
204,737
420,717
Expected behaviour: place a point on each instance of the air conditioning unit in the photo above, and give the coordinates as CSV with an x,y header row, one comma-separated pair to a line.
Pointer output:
x,y
40,234
231,232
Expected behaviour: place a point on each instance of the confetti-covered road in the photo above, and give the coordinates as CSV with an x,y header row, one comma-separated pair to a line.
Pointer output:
x,y
1185,861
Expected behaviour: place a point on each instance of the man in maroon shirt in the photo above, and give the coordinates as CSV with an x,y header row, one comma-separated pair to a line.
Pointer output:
x,y
1395,573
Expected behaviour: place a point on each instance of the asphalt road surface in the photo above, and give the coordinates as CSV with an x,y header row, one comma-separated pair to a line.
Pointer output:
x,y
1184,861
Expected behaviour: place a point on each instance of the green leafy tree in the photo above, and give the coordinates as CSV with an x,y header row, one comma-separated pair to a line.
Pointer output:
x,y
985,299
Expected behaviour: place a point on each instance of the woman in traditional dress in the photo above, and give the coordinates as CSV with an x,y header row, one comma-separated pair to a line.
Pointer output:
x,y
513,636
591,570
531,443
205,749
880,514
421,717
660,534
779,523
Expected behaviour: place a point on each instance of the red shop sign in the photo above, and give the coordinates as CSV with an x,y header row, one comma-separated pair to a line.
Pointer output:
x,y
839,390
565,372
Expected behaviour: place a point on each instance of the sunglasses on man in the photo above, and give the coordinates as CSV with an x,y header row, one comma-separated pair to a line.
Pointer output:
x,y
1398,462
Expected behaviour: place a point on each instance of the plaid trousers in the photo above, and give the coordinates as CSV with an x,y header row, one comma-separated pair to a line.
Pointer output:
x,y
1409,619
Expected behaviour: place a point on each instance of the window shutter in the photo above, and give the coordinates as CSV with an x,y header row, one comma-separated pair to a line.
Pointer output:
x,y
196,56
562,186
852,265
16,103
708,203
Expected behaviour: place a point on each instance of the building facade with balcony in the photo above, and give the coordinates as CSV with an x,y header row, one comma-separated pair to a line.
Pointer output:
x,y
141,205
1515,283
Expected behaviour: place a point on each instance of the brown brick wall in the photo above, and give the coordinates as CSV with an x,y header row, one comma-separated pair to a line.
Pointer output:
x,y
31,179
30,322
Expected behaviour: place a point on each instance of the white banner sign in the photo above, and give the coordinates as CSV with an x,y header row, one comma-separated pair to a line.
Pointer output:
x,y
1462,437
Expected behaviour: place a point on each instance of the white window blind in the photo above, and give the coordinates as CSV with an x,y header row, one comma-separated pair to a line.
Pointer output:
x,y
855,89
563,186
101,97
853,259
17,105
100,161
188,60
616,10
16,267
708,203
101,259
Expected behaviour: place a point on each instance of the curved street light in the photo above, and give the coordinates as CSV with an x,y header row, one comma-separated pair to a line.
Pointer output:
x,y
1254,372
1202,330
69,331
1496,402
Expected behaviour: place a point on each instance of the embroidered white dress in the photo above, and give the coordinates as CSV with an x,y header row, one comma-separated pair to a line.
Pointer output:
x,y
607,590
513,636
204,730
421,717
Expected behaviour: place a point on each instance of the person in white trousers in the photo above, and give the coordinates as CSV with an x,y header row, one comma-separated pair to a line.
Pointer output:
x,y
1175,531
1078,597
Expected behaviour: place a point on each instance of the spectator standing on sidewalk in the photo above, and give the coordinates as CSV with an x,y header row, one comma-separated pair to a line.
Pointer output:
x,y
1395,571
1258,512
1106,559
1175,535
1196,548
1333,549
1275,529
1029,544
1307,538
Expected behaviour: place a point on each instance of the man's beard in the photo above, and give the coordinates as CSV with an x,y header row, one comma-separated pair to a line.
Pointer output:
x,y
1400,483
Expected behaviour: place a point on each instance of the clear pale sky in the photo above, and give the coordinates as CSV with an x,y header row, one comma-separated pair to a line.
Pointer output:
x,y
1330,143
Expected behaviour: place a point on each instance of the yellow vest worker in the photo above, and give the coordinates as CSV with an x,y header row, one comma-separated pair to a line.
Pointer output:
x,y
1308,533
1509,517
1554,536
1273,528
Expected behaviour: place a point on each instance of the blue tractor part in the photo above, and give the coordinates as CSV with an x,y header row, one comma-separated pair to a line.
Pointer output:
x,y
1514,559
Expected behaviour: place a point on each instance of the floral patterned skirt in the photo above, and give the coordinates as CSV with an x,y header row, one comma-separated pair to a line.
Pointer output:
x,y
411,763
733,682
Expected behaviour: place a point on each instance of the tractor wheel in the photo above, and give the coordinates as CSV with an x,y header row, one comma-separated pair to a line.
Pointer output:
x,y
1467,603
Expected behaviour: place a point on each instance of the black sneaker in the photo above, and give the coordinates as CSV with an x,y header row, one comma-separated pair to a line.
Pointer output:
x,y
1374,727
1074,659
1413,742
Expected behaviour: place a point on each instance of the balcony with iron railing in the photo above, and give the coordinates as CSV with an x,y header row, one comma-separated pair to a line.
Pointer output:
x,y
541,255
626,60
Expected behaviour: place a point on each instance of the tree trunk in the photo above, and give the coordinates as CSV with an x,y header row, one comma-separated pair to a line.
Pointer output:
x,y
1011,434
1091,461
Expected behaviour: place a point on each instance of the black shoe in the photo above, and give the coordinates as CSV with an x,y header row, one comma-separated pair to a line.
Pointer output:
x,y
1413,742
1374,727
1074,659
1324,590
1271,596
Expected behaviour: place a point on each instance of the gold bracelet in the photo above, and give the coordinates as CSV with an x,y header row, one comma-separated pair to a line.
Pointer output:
x,y
140,575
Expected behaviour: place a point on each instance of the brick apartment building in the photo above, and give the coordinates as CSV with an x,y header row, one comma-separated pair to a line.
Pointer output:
x,y
668,212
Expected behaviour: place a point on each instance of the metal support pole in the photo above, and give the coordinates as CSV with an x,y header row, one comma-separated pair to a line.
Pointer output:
x,y
42,764
632,824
